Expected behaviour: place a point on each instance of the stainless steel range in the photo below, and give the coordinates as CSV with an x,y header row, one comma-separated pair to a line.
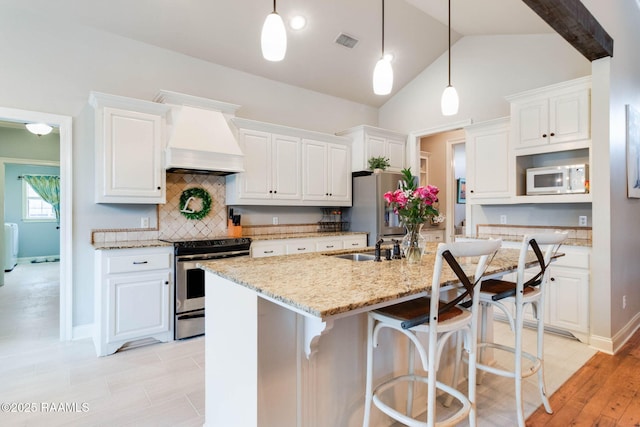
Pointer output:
x,y
189,279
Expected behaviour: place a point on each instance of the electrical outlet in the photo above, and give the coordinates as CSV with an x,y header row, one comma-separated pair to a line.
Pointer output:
x,y
274,220
144,222
582,221
624,302
503,219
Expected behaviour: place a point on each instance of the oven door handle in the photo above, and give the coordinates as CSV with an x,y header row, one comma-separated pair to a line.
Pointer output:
x,y
190,316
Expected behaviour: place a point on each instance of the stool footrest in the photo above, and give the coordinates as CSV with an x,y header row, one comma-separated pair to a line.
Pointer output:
x,y
453,419
537,363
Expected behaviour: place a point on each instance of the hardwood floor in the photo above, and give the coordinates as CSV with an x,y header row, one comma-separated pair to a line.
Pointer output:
x,y
604,392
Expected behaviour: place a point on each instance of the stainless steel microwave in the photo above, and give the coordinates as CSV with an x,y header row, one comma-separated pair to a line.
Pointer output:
x,y
567,179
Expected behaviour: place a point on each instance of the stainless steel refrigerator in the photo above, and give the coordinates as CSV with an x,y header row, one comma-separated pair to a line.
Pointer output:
x,y
370,212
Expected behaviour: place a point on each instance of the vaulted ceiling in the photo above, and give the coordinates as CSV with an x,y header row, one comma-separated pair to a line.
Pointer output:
x,y
227,32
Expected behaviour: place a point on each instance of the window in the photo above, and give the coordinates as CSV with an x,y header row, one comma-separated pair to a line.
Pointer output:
x,y
34,208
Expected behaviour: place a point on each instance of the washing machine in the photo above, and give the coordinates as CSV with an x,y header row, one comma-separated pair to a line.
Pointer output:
x,y
10,245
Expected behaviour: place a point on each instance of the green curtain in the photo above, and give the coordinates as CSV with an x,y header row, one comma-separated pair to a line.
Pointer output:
x,y
47,187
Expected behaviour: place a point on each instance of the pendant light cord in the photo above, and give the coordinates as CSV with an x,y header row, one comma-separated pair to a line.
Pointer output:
x,y
449,42
382,28
274,6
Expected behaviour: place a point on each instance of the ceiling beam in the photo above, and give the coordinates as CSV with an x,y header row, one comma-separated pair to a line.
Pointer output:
x,y
572,20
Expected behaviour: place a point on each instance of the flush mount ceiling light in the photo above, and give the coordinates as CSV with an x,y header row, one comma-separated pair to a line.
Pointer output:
x,y
274,37
39,128
450,101
383,73
298,22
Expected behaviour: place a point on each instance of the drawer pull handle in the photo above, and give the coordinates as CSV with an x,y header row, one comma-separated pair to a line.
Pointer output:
x,y
355,244
140,262
267,252
301,249
329,246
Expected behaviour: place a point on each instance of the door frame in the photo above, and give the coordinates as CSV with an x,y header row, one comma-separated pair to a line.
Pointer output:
x,y
64,124
450,229
413,157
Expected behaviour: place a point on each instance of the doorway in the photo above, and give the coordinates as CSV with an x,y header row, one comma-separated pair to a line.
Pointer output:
x,y
64,126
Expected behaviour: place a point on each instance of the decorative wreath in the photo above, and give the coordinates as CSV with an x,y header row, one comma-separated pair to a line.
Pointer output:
x,y
195,193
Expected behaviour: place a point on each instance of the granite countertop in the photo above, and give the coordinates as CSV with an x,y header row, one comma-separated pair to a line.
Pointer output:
x,y
325,286
279,236
130,244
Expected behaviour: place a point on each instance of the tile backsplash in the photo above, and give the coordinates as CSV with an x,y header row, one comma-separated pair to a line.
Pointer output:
x,y
172,224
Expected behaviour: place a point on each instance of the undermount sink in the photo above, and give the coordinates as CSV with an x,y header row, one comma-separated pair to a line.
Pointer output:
x,y
357,256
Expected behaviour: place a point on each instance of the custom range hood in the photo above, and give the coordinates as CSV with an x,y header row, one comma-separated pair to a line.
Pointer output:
x,y
200,137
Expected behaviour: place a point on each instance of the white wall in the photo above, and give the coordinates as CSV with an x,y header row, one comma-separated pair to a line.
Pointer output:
x,y
616,227
52,66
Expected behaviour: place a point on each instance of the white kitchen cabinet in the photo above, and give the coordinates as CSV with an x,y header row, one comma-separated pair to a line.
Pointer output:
x,y
266,248
567,292
436,235
369,141
272,166
290,167
133,297
355,241
129,144
326,177
552,115
489,165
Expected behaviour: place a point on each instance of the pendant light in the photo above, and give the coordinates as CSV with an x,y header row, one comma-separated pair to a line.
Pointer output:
x,y
383,73
274,37
450,101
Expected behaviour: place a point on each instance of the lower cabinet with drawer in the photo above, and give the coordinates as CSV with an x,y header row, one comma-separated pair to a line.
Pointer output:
x,y
567,293
266,248
133,290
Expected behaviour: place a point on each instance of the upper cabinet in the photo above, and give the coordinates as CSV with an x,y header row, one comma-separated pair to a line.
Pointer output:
x,y
129,144
272,165
489,172
326,174
554,114
370,142
290,167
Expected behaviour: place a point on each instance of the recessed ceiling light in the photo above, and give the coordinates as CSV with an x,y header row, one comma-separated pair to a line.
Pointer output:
x,y
298,22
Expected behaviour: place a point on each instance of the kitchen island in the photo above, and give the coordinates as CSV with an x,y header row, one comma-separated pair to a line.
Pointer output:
x,y
285,336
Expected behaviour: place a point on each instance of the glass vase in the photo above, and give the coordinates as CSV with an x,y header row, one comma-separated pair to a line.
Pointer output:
x,y
413,243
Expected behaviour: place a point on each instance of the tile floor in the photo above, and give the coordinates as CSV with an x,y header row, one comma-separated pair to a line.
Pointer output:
x,y
161,384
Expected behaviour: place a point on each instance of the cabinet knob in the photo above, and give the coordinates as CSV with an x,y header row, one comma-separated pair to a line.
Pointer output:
x,y
275,191
552,134
270,191
470,191
552,279
159,188
544,135
166,282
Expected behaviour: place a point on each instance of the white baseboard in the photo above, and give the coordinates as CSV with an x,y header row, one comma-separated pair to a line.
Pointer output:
x,y
82,331
620,338
38,259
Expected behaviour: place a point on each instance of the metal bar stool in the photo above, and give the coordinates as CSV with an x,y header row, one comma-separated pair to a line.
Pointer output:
x,y
509,296
440,320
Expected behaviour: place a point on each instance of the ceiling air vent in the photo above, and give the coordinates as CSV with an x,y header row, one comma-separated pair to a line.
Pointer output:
x,y
347,41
